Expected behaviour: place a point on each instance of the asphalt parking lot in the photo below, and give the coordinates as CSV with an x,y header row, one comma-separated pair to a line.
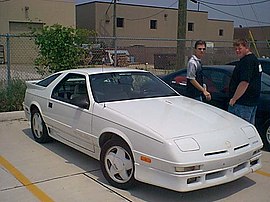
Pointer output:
x,y
55,172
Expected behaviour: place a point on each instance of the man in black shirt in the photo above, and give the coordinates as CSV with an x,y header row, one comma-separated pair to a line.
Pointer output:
x,y
245,84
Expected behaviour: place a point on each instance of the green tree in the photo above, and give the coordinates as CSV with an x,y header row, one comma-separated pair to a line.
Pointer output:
x,y
60,47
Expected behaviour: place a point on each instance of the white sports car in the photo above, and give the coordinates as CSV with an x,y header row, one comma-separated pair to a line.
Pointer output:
x,y
141,129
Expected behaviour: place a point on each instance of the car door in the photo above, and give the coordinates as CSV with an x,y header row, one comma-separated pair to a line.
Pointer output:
x,y
70,112
217,83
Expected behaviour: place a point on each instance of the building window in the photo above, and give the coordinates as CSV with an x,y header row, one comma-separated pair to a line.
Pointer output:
x,y
191,26
220,32
120,22
153,24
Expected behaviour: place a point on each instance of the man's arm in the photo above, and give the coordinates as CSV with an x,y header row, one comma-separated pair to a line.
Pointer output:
x,y
196,84
240,90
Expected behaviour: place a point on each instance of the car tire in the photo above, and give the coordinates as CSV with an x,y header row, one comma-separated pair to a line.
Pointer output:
x,y
117,163
266,136
38,127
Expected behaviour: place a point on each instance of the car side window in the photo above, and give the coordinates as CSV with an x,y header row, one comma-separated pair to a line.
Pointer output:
x,y
47,81
72,89
266,67
216,81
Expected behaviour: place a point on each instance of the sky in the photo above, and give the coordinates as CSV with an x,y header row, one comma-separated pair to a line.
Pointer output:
x,y
245,13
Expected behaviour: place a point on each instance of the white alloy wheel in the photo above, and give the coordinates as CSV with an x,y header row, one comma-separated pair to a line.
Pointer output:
x,y
117,163
38,127
267,136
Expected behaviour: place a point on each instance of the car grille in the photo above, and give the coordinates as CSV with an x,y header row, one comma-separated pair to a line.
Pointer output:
x,y
225,151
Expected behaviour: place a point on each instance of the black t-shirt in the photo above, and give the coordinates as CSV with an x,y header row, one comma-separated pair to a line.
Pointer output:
x,y
247,70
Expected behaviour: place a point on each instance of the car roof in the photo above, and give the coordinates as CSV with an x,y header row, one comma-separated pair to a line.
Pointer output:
x,y
264,59
223,67
228,68
101,70
260,60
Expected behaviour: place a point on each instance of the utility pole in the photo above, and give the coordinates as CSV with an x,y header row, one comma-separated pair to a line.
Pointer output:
x,y
181,34
114,33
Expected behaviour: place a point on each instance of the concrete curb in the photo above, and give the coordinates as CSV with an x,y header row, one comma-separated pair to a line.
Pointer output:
x,y
9,116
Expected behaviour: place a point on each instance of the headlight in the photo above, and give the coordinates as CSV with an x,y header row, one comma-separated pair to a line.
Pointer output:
x,y
249,131
187,144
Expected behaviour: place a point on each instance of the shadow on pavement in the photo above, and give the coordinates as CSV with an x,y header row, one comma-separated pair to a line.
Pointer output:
x,y
142,191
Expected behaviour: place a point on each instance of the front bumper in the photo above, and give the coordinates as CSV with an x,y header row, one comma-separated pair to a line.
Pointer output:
x,y
196,180
26,112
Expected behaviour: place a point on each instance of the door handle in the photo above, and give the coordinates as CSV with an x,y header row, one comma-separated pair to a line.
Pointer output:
x,y
50,105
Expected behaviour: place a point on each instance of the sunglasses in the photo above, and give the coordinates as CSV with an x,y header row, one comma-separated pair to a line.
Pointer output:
x,y
201,49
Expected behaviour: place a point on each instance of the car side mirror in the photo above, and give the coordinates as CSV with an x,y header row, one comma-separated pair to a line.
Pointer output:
x,y
179,80
183,83
83,104
81,101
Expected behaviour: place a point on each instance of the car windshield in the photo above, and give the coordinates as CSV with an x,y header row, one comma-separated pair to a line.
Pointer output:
x,y
265,88
118,86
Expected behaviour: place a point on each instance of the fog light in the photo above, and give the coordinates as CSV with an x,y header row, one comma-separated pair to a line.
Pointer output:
x,y
252,163
187,169
193,180
256,152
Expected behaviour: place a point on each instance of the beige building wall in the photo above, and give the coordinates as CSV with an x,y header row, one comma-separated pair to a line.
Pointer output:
x,y
86,16
17,16
21,16
137,23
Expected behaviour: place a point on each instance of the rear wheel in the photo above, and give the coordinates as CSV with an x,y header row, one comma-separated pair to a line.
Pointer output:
x,y
38,127
117,164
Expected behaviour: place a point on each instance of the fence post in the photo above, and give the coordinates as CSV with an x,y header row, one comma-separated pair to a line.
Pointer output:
x,y
8,58
115,52
192,47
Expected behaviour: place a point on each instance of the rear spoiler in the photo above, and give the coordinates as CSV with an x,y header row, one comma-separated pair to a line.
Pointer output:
x,y
33,85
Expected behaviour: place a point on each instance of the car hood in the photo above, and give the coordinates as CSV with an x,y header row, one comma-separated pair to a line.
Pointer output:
x,y
173,117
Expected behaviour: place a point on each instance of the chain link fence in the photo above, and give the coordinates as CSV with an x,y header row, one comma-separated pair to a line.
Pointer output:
x,y
18,53
17,57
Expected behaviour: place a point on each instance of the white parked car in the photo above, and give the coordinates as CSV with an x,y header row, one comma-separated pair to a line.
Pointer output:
x,y
141,129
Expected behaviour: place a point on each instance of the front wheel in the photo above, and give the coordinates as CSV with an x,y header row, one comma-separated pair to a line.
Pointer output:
x,y
117,164
38,127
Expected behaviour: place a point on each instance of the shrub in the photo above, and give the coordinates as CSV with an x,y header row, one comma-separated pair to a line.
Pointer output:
x,y
60,47
12,96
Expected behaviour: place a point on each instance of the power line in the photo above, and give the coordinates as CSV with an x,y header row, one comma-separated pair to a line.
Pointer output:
x,y
263,31
143,18
106,13
242,12
244,4
254,13
234,15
